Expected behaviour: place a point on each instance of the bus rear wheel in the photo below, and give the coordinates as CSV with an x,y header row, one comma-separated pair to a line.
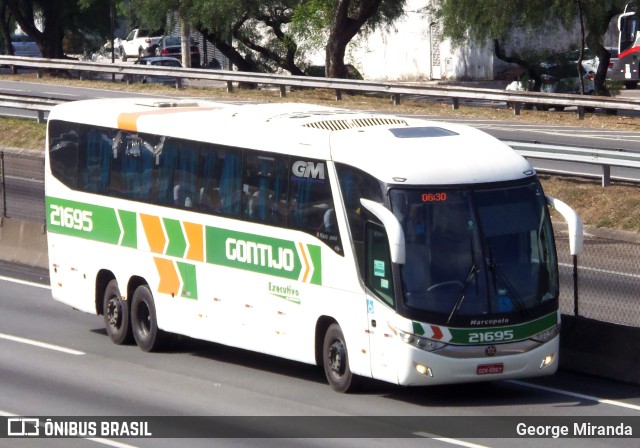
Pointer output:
x,y
335,360
116,314
144,322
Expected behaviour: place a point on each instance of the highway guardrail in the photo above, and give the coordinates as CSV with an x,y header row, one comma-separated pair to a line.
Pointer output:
x,y
394,90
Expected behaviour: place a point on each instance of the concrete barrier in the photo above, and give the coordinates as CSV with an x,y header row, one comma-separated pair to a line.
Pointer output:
x,y
23,242
600,348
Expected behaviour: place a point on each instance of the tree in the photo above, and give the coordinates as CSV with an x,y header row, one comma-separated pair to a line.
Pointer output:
x,y
494,20
341,21
58,17
259,27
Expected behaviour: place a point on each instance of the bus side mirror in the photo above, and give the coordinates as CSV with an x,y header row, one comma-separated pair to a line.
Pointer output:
x,y
574,222
393,228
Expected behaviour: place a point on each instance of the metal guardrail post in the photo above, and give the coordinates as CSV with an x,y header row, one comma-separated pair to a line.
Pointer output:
x,y
338,94
229,86
580,112
516,108
283,91
606,175
575,286
395,99
456,103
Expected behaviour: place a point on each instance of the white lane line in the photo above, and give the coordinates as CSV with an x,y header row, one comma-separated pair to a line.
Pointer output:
x,y
100,440
57,348
24,282
456,442
619,404
602,271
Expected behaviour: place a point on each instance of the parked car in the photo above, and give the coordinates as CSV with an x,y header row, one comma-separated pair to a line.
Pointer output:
x,y
171,46
558,77
24,46
159,61
139,43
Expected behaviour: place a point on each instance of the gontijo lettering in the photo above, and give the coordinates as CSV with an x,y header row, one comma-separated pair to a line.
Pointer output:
x,y
259,254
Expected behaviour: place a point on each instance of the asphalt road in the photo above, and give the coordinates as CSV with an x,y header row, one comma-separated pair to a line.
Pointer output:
x,y
79,372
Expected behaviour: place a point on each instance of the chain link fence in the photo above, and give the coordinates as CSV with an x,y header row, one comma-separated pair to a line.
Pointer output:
x,y
22,184
608,269
608,277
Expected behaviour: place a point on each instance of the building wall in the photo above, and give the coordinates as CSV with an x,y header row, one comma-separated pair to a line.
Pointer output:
x,y
412,50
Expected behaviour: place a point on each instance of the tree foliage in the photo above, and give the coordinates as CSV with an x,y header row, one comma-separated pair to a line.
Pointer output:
x,y
47,22
485,21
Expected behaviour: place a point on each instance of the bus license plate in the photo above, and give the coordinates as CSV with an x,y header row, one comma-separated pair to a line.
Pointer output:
x,y
490,369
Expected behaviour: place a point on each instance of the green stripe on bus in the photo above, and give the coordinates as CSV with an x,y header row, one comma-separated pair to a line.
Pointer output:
x,y
189,280
129,222
177,242
82,220
266,255
487,335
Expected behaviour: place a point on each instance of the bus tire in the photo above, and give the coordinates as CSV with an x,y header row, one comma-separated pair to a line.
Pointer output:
x,y
144,322
115,312
335,360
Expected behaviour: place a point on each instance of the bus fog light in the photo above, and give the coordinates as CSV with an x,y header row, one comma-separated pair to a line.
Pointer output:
x,y
424,370
547,360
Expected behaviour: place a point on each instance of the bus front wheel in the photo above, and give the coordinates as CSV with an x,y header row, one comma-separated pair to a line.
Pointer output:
x,y
144,322
336,360
116,314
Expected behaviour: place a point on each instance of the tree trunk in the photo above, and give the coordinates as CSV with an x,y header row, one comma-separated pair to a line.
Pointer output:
x,y
185,41
344,26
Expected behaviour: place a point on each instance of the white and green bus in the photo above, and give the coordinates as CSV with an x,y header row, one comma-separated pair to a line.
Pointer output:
x,y
406,250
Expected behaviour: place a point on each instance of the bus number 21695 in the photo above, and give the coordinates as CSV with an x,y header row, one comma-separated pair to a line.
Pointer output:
x,y
71,218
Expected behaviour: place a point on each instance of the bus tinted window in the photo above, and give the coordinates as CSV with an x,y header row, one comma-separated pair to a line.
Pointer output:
x,y
95,161
265,186
63,152
253,185
310,202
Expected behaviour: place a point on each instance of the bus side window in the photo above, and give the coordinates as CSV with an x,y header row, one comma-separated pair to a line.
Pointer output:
x,y
231,183
311,202
265,183
95,161
63,152
132,166
378,273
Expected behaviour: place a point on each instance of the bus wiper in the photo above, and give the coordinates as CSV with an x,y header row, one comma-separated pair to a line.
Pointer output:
x,y
513,296
472,273
473,270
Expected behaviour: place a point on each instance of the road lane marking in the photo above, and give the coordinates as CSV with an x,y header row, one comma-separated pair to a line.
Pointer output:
x,y
601,271
451,441
58,348
577,395
100,440
24,282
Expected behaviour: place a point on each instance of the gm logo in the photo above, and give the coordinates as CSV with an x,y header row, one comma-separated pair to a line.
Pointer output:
x,y
308,169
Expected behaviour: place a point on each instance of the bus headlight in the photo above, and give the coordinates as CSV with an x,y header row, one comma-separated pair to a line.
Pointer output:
x,y
547,335
428,345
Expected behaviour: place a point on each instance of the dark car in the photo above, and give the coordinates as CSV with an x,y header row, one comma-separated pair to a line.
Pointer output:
x,y
319,71
157,61
171,46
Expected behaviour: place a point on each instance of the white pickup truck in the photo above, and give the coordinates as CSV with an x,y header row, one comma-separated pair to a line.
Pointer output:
x,y
139,43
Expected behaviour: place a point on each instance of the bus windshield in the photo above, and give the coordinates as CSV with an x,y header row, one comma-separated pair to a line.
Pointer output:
x,y
476,252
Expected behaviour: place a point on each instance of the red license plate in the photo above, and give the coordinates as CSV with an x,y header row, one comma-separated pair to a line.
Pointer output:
x,y
490,369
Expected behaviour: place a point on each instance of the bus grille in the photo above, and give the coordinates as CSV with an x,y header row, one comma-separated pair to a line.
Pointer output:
x,y
340,125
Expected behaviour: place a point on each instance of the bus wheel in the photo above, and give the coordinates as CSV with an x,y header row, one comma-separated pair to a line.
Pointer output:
x,y
336,360
143,321
116,314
